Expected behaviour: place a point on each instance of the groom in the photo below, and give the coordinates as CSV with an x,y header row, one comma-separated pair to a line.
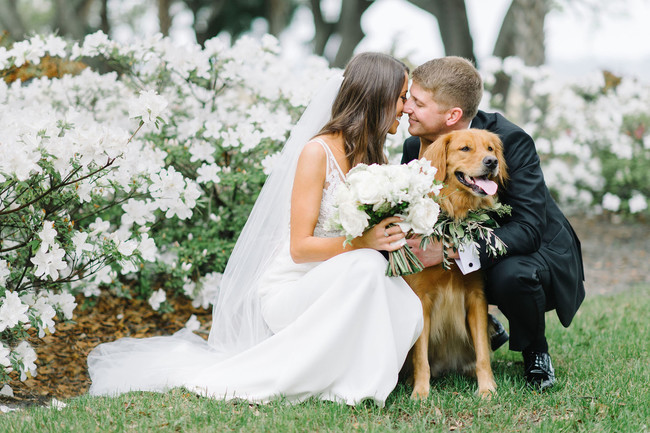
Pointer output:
x,y
542,269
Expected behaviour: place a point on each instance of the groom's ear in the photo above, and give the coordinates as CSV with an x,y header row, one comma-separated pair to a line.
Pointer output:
x,y
454,115
437,154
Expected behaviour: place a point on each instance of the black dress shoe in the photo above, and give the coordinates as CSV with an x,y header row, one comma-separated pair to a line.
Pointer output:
x,y
499,335
539,370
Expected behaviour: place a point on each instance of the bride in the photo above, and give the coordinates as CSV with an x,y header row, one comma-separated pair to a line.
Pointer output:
x,y
298,314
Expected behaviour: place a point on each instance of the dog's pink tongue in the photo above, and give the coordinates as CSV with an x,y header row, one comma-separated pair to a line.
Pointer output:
x,y
486,185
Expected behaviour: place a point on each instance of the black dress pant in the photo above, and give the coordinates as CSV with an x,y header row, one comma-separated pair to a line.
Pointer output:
x,y
519,287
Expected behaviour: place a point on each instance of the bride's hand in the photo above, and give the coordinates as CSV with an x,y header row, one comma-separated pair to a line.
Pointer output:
x,y
381,237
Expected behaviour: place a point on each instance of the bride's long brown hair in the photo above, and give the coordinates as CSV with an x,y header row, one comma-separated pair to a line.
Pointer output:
x,y
364,108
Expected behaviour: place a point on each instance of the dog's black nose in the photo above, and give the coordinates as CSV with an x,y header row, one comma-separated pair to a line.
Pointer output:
x,y
490,162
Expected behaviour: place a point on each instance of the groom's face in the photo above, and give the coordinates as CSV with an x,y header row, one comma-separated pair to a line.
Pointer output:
x,y
426,118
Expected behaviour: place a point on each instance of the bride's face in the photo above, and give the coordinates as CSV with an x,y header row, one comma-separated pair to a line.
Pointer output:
x,y
400,104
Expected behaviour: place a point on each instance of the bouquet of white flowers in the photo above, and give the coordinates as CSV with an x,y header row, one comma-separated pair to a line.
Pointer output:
x,y
374,192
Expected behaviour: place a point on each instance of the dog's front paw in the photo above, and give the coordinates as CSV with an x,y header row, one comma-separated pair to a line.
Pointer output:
x,y
420,392
486,392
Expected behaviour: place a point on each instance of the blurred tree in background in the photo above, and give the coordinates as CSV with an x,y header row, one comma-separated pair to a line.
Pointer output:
x,y
522,31
335,37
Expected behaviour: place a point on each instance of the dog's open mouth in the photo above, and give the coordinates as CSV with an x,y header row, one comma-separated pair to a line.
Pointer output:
x,y
479,185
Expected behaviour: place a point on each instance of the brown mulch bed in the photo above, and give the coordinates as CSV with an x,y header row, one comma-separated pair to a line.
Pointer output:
x,y
615,256
615,253
62,371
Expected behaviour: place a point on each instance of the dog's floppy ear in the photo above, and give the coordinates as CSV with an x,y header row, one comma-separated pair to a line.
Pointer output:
x,y
502,176
437,154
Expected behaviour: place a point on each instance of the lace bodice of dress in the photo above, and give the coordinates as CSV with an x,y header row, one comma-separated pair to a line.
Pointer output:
x,y
333,178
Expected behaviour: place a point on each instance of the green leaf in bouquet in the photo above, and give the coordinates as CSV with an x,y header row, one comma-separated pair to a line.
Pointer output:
x,y
382,209
476,226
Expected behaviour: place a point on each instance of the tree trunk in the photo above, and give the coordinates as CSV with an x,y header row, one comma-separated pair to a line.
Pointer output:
x,y
349,28
164,19
522,32
453,25
103,15
278,13
213,28
71,17
521,35
11,21
324,30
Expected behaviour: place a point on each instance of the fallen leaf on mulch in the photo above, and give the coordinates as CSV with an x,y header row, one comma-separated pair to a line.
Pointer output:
x,y
62,372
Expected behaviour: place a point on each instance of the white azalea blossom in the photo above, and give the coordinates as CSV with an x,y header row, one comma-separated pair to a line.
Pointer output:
x,y
12,311
193,323
140,212
49,262
80,244
611,202
208,173
157,298
269,162
99,227
148,107
25,355
189,288
45,313
638,202
64,303
4,356
208,290
147,248
126,248
202,151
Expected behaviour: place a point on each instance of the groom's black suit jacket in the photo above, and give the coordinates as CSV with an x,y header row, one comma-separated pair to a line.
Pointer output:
x,y
536,225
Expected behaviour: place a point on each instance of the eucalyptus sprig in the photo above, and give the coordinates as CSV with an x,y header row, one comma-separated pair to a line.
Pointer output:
x,y
478,225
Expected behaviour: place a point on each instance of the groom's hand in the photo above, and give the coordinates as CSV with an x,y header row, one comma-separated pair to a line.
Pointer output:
x,y
432,255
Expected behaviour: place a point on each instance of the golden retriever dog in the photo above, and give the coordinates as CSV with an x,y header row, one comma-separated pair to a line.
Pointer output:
x,y
455,335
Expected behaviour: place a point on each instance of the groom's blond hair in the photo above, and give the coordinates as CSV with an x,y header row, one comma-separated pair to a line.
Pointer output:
x,y
453,82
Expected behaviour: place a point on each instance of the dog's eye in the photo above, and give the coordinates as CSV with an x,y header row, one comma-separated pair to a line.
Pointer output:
x,y
465,149
490,149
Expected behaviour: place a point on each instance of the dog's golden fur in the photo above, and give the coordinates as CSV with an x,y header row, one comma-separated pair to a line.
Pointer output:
x,y
455,335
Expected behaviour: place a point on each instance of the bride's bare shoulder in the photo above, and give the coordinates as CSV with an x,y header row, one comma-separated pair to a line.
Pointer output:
x,y
313,150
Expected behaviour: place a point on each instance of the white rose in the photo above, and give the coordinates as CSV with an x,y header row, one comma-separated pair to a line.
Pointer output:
x,y
422,215
400,178
369,186
423,178
349,217
353,220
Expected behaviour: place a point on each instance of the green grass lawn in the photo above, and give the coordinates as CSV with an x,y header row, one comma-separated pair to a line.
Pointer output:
x,y
602,363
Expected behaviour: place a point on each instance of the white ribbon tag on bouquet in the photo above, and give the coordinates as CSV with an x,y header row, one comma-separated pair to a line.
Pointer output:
x,y
468,260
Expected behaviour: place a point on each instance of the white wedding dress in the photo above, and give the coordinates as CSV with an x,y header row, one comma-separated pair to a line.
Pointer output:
x,y
341,331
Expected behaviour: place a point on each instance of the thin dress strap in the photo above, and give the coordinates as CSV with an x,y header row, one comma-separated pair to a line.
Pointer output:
x,y
333,178
330,155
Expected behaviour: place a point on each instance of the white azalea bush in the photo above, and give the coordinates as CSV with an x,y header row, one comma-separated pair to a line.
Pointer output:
x,y
60,170
135,176
592,134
